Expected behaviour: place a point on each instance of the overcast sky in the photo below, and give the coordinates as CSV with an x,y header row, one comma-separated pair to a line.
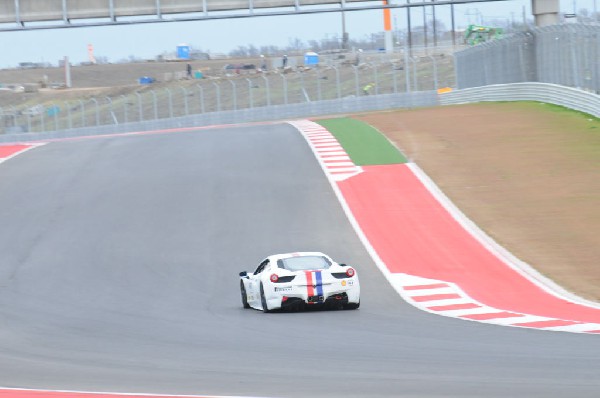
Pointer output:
x,y
220,36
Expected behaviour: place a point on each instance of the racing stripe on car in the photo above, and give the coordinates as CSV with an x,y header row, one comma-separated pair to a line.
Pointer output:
x,y
448,299
319,280
310,290
331,155
314,283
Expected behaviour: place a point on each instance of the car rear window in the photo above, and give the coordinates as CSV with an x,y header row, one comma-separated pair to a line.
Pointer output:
x,y
304,263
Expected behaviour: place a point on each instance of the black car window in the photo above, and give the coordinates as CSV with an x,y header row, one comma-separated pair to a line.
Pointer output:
x,y
304,263
261,267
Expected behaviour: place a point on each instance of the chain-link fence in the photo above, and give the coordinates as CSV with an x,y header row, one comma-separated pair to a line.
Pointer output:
x,y
236,91
567,54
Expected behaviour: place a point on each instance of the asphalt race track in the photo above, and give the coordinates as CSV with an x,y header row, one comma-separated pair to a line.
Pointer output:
x,y
119,262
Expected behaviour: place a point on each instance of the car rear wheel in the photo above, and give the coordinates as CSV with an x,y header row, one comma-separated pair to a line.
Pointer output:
x,y
244,295
352,306
263,300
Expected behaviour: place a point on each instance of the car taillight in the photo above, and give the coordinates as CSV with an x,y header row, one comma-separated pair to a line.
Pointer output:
x,y
274,278
350,272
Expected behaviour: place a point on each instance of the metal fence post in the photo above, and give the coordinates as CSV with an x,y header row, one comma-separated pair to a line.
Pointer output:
x,y
303,89
13,113
218,91
435,74
587,49
268,90
285,89
395,77
250,100
56,110
355,79
201,90
82,105
234,91
576,67
112,112
125,118
140,109
376,76
406,69
301,74
155,104
185,101
42,120
170,96
69,120
95,101
596,65
414,72
522,63
319,97
337,82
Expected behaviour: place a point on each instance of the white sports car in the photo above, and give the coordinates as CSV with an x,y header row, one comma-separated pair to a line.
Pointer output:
x,y
296,280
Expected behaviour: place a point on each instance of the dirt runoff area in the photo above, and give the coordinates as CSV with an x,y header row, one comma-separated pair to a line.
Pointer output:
x,y
526,173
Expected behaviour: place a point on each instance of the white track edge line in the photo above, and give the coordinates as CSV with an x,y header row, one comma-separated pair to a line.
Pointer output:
x,y
29,147
122,394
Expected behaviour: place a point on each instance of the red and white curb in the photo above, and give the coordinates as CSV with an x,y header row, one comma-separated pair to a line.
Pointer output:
x,y
331,155
446,298
10,151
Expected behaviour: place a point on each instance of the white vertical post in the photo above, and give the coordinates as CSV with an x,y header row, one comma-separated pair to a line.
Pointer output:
x,y
67,72
17,13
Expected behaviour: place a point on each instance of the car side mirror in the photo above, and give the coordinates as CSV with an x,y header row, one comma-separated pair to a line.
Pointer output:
x,y
243,274
343,265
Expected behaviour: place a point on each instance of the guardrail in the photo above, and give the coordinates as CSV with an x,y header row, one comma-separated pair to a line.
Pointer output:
x,y
351,104
543,92
243,94
573,98
566,54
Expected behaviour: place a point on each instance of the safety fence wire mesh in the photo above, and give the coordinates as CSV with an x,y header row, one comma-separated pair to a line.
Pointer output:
x,y
566,54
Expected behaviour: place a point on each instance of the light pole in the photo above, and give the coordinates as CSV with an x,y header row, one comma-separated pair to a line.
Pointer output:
x,y
408,28
344,33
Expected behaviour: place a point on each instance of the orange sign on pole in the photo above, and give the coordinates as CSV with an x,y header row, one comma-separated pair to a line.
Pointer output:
x,y
387,18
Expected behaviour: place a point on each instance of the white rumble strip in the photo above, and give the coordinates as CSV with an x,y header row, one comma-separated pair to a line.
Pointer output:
x,y
448,299
331,155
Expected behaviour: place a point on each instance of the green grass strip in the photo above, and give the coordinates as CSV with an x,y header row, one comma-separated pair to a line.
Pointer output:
x,y
364,144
